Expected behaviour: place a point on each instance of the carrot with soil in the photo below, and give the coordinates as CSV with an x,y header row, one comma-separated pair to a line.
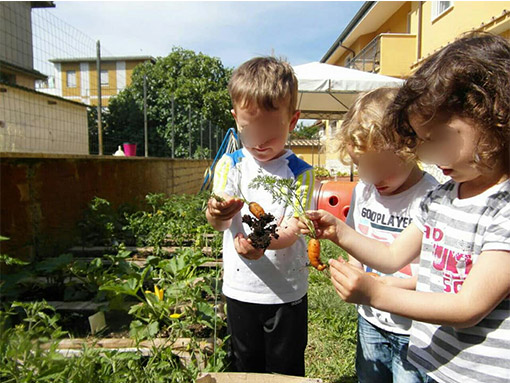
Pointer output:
x,y
284,191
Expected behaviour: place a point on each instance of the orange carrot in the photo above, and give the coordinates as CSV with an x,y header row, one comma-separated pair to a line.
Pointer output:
x,y
256,209
314,254
372,274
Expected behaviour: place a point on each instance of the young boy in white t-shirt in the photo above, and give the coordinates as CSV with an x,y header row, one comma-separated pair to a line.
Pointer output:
x,y
382,205
265,288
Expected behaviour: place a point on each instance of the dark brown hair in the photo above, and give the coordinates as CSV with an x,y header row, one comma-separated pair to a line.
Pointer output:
x,y
469,78
267,81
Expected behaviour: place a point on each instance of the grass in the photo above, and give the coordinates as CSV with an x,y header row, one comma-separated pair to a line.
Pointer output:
x,y
331,350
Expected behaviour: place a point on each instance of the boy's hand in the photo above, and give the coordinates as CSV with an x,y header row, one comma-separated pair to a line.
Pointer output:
x,y
225,210
244,248
326,224
352,284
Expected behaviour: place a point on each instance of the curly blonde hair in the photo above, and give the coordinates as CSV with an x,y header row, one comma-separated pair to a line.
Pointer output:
x,y
362,129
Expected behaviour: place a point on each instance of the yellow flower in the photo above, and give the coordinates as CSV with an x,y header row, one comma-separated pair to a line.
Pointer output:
x,y
158,292
175,316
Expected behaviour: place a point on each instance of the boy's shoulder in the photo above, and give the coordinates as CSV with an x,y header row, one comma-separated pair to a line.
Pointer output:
x,y
297,165
234,157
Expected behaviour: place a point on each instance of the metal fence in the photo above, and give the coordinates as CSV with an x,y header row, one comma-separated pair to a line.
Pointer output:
x,y
55,81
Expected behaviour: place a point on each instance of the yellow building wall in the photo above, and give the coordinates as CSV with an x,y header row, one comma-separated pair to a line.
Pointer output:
x,y
462,17
397,23
313,155
71,92
106,91
130,66
398,51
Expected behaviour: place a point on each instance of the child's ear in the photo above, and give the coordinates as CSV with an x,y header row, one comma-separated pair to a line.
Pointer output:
x,y
294,120
235,116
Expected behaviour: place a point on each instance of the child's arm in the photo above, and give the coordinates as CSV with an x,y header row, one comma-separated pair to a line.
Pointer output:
x,y
485,287
288,233
220,214
401,283
368,251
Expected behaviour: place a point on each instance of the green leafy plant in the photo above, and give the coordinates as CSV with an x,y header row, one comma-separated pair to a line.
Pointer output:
x,y
321,172
102,224
284,191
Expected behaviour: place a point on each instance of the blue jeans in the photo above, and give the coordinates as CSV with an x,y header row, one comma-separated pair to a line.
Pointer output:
x,y
381,356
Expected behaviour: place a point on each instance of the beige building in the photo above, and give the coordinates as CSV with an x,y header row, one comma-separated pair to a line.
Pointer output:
x,y
30,121
76,78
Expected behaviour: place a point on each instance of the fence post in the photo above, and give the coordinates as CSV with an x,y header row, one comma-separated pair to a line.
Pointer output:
x,y
173,126
99,117
201,134
189,129
216,134
145,116
210,141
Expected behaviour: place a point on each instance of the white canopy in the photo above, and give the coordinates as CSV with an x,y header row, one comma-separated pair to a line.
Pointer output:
x,y
327,91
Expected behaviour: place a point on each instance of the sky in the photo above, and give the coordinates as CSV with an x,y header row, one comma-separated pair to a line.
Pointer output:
x,y
232,31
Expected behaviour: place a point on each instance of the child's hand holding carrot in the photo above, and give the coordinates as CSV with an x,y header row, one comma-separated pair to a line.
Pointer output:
x,y
352,284
327,226
220,210
244,248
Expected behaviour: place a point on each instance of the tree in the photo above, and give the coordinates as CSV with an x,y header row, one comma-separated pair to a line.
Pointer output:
x,y
194,81
303,131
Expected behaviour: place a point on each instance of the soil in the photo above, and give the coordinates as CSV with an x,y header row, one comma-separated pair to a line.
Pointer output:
x,y
262,230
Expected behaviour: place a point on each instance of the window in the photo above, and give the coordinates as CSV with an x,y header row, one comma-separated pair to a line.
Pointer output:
x,y
440,7
71,79
104,78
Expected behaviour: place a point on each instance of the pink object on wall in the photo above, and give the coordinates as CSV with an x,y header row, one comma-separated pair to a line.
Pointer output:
x,y
129,149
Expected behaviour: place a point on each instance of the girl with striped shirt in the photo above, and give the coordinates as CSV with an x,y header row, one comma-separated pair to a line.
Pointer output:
x,y
455,112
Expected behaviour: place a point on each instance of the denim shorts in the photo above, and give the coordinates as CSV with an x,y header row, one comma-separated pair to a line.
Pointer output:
x,y
381,356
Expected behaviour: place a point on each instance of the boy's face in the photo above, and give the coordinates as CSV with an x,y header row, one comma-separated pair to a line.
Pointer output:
x,y
264,132
450,143
385,170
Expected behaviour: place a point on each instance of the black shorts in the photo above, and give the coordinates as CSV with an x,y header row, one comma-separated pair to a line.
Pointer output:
x,y
268,338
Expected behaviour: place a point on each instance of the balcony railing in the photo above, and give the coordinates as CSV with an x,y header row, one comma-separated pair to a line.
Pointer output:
x,y
390,54
369,58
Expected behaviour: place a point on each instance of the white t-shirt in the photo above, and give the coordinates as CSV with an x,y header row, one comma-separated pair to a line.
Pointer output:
x,y
280,276
455,233
383,218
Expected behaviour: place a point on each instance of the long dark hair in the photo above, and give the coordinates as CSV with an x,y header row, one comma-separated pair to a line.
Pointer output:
x,y
469,78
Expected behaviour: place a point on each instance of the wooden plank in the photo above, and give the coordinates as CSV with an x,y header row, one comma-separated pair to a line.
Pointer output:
x,y
179,345
250,377
80,305
142,261
206,250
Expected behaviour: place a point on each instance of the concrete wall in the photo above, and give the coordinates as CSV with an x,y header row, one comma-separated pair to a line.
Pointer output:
x,y
33,122
44,196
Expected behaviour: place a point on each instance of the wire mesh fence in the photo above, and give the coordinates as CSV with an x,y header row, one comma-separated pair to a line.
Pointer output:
x,y
52,78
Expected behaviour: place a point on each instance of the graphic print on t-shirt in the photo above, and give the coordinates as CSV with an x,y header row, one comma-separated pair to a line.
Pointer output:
x,y
454,264
384,228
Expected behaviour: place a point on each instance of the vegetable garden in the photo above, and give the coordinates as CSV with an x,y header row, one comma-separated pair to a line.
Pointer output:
x,y
137,299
